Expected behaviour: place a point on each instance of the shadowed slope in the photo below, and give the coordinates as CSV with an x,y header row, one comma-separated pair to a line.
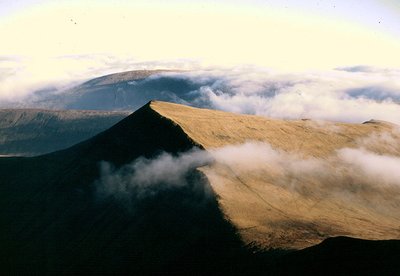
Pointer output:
x,y
343,256
54,222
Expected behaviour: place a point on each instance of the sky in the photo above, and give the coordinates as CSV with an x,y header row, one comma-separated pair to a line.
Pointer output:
x,y
51,40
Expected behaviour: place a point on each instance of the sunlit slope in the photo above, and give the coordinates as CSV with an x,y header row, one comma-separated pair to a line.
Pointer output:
x,y
212,128
272,209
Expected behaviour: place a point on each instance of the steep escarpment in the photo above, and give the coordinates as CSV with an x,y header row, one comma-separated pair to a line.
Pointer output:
x,y
298,182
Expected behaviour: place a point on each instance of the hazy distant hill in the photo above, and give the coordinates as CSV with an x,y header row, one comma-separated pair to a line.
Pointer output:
x,y
218,218
33,131
121,91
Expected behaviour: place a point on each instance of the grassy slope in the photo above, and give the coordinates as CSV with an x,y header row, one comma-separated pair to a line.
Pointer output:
x,y
274,215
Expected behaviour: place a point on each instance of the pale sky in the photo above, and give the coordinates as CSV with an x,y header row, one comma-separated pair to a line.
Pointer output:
x,y
45,38
293,34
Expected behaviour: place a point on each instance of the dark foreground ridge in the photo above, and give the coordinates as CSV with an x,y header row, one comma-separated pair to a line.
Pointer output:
x,y
53,222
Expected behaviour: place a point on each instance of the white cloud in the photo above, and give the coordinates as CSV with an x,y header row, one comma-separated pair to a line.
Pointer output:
x,y
380,169
353,95
145,178
330,95
350,173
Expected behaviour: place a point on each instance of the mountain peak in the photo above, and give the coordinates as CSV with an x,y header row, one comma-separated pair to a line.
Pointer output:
x,y
126,76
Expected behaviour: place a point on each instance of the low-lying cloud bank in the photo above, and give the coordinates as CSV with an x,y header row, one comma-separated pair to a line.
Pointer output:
x,y
344,170
349,174
335,95
345,94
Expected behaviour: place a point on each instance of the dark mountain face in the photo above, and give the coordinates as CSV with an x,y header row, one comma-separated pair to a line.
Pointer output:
x,y
30,132
343,256
53,221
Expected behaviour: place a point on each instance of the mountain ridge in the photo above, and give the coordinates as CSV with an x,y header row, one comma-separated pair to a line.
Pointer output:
x,y
55,222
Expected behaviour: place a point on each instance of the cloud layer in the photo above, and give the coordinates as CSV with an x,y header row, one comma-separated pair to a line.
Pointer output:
x,y
349,173
334,95
361,165
347,94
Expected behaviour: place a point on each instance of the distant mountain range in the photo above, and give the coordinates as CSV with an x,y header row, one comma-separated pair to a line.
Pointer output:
x,y
29,132
154,195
